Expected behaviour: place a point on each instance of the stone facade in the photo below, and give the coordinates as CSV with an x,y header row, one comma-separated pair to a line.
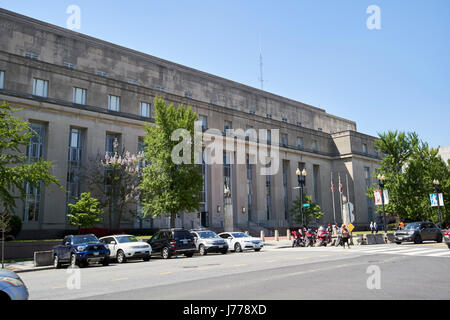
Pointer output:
x,y
36,56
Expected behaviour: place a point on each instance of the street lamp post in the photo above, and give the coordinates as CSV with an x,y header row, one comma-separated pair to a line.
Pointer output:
x,y
436,188
301,176
381,179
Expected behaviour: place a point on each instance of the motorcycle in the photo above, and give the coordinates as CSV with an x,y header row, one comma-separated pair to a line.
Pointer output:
x,y
297,240
323,238
310,238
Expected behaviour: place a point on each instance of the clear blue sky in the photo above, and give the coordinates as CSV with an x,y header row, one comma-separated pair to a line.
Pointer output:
x,y
316,52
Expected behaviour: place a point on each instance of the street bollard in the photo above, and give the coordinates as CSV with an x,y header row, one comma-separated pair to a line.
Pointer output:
x,y
262,235
288,234
277,238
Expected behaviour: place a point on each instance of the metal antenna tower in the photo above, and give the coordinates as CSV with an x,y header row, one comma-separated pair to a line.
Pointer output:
x,y
261,79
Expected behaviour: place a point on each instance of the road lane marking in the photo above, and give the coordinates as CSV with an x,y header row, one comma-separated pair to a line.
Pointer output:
x,y
439,254
61,287
165,273
424,251
324,255
303,258
269,261
120,279
240,265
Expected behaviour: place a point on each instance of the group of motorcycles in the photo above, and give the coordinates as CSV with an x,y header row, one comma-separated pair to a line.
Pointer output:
x,y
310,237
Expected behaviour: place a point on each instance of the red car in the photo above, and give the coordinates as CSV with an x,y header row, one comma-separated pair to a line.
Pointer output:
x,y
447,237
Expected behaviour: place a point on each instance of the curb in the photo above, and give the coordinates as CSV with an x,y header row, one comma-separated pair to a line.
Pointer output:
x,y
30,270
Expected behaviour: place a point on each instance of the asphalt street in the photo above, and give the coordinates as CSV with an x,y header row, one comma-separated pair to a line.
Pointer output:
x,y
362,272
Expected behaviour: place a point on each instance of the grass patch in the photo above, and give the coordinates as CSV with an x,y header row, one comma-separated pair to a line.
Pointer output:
x,y
18,260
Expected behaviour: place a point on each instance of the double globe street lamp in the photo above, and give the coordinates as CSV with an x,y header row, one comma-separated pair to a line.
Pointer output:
x,y
381,179
301,176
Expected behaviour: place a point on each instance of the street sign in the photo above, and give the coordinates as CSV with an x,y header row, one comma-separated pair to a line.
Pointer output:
x,y
350,227
306,205
434,202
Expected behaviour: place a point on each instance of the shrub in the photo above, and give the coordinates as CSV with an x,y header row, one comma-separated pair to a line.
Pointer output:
x,y
15,224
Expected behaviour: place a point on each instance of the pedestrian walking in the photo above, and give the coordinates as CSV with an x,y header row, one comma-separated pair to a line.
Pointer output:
x,y
345,235
339,238
375,226
371,226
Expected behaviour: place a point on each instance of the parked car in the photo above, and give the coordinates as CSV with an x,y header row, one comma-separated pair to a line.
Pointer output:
x,y
418,232
239,241
169,242
447,237
207,241
123,247
80,250
12,287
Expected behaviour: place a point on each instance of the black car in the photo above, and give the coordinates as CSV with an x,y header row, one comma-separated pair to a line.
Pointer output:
x,y
418,232
169,242
80,250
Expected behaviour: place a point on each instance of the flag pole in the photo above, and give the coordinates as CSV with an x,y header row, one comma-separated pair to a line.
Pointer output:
x,y
332,194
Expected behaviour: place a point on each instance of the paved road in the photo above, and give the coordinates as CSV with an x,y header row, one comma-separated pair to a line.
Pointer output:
x,y
406,272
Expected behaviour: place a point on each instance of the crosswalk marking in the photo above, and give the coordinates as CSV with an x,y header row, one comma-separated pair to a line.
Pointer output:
x,y
424,251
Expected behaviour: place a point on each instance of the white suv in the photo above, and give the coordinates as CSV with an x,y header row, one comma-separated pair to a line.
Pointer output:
x,y
124,246
239,241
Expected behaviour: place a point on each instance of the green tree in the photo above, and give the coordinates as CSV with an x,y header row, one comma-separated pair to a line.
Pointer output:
x,y
86,212
15,136
169,188
312,213
410,166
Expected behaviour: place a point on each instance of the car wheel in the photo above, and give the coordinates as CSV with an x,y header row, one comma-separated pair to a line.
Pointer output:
x,y
202,250
237,247
121,257
257,250
56,262
398,242
73,261
439,239
105,261
147,258
417,239
224,251
165,253
189,255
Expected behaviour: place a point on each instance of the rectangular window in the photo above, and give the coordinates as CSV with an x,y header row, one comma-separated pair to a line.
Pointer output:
x,y
252,112
364,148
268,137
284,120
299,143
249,168
40,88
227,126
112,143
74,165
103,74
79,96
268,194
314,145
145,109
284,140
204,121
316,178
2,80
188,95
285,189
367,176
69,65
320,129
269,116
31,55
299,124
114,103
35,151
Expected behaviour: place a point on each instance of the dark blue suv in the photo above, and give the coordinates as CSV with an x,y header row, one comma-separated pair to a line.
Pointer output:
x,y
80,250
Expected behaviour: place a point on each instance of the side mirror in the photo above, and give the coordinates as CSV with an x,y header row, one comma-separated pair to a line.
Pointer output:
x,y
67,244
112,242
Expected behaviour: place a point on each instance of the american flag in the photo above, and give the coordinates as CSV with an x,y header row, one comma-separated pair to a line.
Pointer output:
x,y
341,188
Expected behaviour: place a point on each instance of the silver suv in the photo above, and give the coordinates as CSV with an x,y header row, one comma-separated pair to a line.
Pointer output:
x,y
208,241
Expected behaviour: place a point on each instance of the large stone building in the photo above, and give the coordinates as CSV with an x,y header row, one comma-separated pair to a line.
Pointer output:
x,y
79,93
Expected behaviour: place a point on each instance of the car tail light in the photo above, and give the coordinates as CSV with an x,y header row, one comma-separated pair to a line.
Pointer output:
x,y
173,242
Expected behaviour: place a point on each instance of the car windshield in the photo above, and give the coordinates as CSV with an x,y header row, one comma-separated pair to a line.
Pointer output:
x,y
126,239
412,226
182,235
240,235
207,234
85,239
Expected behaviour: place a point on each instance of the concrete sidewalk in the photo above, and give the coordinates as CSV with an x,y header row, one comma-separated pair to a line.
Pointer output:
x,y
25,266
